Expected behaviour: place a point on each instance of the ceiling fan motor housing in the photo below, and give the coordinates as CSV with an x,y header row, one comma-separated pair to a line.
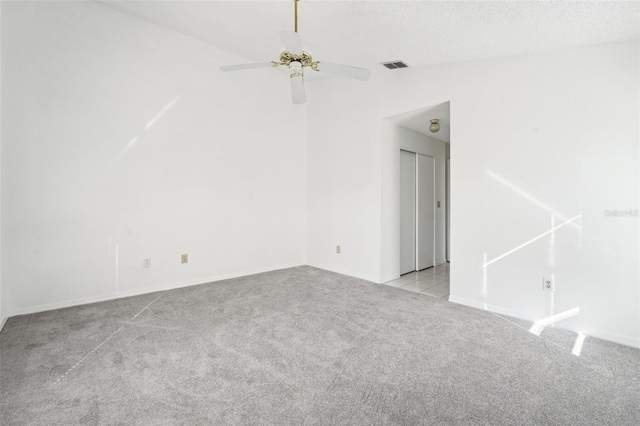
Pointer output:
x,y
305,59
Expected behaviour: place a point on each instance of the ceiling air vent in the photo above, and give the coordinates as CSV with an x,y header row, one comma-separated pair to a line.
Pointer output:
x,y
395,64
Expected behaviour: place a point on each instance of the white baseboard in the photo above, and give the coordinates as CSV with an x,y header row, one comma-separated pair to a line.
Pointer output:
x,y
598,334
137,292
611,337
491,308
345,272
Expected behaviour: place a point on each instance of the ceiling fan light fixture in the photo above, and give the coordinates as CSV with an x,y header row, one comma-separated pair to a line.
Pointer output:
x,y
295,69
434,126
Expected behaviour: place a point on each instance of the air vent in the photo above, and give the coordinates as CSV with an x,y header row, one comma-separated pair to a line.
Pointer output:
x,y
395,64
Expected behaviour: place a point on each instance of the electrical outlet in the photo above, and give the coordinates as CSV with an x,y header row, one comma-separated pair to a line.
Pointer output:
x,y
185,258
146,263
438,204
547,284
338,249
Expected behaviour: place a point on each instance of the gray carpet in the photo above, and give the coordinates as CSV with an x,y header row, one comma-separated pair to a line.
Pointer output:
x,y
304,346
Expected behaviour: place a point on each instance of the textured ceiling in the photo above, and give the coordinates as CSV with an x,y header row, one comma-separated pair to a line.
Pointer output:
x,y
365,33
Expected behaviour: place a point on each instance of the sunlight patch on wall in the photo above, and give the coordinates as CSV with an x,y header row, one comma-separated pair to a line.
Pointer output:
x,y
515,188
484,276
544,234
158,116
153,121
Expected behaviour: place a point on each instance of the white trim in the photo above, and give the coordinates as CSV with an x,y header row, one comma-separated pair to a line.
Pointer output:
x,y
344,272
598,334
137,292
3,321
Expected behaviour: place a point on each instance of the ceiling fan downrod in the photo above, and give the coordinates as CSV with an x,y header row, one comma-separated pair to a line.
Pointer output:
x,y
295,13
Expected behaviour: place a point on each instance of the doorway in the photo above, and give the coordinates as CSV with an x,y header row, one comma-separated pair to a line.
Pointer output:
x,y
417,211
409,131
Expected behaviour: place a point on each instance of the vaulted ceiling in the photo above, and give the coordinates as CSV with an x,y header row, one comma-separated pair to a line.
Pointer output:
x,y
366,33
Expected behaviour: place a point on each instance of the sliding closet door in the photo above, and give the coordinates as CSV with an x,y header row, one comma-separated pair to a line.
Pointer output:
x,y
426,211
407,212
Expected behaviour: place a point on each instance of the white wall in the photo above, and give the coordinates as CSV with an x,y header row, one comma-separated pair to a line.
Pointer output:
x,y
533,137
3,310
343,176
402,138
122,140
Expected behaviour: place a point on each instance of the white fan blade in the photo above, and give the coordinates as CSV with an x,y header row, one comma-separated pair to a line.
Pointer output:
x,y
292,42
344,70
246,66
297,90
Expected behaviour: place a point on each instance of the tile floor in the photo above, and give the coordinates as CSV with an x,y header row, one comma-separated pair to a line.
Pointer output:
x,y
432,282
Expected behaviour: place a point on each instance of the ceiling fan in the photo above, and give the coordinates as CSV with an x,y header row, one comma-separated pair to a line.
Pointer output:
x,y
297,60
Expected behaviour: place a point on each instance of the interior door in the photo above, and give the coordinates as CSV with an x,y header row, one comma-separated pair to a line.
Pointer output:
x,y
407,212
425,181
